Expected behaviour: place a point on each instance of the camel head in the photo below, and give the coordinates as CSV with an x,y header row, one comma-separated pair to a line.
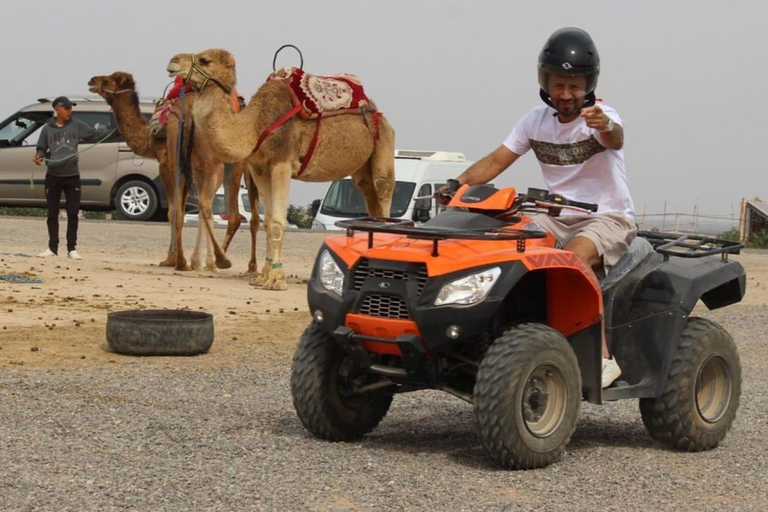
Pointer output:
x,y
109,86
210,67
179,65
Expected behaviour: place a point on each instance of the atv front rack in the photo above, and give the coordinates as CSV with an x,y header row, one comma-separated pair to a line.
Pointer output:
x,y
690,246
392,226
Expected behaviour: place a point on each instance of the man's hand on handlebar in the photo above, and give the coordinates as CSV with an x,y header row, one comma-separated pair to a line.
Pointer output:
x,y
445,193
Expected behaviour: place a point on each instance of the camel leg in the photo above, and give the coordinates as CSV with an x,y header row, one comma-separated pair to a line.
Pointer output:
x,y
210,182
263,186
363,180
180,191
167,177
179,207
383,166
277,205
233,177
253,199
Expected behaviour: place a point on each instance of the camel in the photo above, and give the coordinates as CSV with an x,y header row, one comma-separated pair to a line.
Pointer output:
x,y
119,91
346,146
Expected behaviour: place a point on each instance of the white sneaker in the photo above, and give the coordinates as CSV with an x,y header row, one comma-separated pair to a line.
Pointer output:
x,y
46,254
611,371
74,256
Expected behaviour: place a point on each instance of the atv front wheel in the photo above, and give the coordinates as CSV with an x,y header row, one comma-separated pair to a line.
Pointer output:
x,y
323,381
700,399
527,397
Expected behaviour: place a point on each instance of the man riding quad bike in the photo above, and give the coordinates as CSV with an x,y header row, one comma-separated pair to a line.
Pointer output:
x,y
479,302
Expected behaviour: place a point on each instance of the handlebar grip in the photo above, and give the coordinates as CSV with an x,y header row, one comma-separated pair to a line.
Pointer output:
x,y
587,206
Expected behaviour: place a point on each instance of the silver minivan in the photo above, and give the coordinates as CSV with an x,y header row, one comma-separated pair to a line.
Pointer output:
x,y
111,175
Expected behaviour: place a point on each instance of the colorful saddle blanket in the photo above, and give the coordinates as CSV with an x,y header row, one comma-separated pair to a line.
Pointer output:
x,y
324,95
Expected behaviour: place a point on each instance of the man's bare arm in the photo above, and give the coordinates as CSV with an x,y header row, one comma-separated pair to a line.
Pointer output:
x,y
488,167
611,134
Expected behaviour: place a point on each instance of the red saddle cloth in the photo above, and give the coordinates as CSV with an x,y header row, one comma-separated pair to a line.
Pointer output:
x,y
324,95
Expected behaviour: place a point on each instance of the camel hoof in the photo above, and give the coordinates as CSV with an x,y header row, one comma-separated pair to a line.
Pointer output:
x,y
168,262
274,284
257,281
183,267
223,263
276,280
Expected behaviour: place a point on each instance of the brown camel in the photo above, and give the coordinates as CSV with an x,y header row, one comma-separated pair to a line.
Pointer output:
x,y
119,90
346,146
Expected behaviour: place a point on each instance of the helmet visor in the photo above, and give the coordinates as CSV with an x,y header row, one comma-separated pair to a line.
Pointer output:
x,y
549,73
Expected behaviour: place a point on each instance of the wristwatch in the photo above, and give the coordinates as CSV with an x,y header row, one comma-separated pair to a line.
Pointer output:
x,y
610,126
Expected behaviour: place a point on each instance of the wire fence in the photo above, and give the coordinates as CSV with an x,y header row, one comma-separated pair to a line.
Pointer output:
x,y
692,223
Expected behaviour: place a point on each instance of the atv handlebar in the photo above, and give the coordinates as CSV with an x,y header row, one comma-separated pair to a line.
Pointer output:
x,y
535,200
544,196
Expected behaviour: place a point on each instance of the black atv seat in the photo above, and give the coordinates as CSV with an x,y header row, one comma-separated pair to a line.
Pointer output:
x,y
639,249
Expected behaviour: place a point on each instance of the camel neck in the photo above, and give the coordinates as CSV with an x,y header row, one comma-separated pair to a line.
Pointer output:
x,y
233,136
132,124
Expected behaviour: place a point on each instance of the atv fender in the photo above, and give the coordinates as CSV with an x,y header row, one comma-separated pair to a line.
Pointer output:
x,y
660,306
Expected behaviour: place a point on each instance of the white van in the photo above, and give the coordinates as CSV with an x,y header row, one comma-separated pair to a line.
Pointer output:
x,y
417,173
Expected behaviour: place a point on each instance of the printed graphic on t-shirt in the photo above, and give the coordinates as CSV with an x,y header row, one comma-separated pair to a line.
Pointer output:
x,y
61,142
566,154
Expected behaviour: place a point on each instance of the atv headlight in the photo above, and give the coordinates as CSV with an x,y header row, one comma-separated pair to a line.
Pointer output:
x,y
331,276
470,289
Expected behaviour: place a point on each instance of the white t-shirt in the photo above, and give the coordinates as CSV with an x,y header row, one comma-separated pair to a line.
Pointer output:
x,y
573,160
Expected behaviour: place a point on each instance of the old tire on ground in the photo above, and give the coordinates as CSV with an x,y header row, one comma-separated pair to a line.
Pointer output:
x,y
527,397
701,396
321,379
160,332
136,200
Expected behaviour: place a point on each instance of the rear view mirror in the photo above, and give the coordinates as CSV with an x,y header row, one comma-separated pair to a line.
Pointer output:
x,y
315,207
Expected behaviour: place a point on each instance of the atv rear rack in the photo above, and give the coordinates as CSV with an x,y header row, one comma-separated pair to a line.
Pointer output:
x,y
392,226
690,246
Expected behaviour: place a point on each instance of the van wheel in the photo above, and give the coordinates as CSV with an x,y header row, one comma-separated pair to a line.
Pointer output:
x,y
136,200
527,397
701,396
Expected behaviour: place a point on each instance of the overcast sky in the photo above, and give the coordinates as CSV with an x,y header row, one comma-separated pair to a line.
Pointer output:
x,y
686,76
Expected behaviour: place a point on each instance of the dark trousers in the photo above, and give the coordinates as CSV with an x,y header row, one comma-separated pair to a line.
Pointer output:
x,y
54,186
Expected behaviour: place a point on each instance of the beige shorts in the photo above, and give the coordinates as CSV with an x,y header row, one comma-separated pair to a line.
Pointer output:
x,y
611,232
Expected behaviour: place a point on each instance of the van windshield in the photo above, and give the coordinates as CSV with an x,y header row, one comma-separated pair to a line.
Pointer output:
x,y
344,200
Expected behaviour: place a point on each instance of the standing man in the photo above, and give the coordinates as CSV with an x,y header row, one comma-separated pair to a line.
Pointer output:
x,y
578,144
57,145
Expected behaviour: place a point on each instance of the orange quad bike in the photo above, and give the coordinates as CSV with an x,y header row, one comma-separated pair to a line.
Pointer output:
x,y
481,303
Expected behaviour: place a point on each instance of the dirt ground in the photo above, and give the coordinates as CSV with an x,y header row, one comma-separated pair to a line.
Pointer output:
x,y
61,322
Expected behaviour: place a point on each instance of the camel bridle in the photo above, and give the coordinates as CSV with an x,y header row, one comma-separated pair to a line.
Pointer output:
x,y
195,67
115,93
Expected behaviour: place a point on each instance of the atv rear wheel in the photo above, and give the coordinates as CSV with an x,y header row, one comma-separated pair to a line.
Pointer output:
x,y
527,397
701,396
322,382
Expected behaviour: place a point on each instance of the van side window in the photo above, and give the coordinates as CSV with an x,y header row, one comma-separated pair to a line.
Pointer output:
x,y
23,130
425,190
100,121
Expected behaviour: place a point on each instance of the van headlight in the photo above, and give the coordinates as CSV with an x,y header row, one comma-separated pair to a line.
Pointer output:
x,y
331,276
470,289
317,225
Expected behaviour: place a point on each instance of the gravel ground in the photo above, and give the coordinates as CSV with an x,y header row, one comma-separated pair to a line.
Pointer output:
x,y
219,432
138,437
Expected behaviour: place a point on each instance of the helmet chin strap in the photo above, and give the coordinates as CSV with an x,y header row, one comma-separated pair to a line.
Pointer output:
x,y
589,99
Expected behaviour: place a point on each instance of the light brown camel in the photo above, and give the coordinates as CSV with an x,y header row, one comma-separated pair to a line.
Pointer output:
x,y
346,146
119,90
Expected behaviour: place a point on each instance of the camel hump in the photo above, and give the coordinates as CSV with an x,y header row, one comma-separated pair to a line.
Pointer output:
x,y
324,95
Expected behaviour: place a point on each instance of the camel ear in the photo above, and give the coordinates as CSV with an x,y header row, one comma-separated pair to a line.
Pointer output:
x,y
232,62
